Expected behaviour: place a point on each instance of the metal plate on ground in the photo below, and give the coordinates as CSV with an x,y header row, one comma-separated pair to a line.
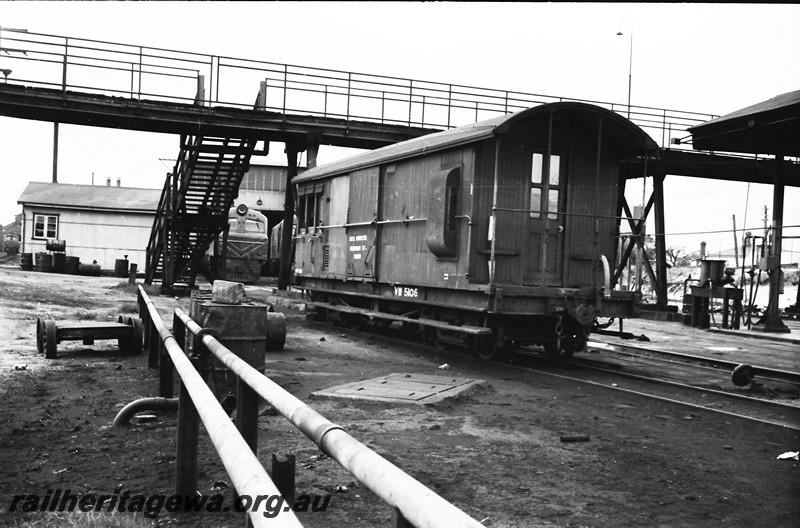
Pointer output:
x,y
403,388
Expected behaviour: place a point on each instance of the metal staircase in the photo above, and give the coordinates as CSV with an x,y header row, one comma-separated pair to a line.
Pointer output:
x,y
193,209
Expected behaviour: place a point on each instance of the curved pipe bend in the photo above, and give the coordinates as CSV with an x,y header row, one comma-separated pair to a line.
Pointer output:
x,y
144,404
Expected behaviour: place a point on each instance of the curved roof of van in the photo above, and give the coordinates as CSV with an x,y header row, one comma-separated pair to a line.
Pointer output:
x,y
617,126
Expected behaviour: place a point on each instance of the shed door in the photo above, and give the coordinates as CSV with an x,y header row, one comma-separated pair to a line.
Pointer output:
x,y
546,219
362,216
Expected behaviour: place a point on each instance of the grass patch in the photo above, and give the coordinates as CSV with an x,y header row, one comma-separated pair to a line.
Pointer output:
x,y
86,315
92,519
128,307
33,295
133,289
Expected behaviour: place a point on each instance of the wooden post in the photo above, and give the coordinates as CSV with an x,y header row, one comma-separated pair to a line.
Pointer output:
x,y
247,413
398,521
153,344
188,434
283,472
285,272
165,374
132,274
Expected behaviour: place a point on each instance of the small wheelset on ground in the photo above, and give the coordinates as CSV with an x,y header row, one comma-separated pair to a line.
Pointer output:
x,y
127,331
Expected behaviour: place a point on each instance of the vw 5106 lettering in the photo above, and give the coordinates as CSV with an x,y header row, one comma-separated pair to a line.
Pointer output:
x,y
402,291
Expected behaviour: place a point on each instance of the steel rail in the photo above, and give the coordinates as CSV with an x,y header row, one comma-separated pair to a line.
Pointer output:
x,y
783,375
246,472
700,359
419,505
656,397
585,364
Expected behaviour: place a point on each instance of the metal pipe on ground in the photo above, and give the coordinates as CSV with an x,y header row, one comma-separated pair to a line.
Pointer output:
x,y
420,506
144,404
246,472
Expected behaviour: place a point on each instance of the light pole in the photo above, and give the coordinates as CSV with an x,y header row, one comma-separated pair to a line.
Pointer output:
x,y
638,280
630,64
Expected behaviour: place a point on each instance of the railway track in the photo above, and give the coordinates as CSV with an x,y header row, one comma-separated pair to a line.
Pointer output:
x,y
667,356
690,384
697,383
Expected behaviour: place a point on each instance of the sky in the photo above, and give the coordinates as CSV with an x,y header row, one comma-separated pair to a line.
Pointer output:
x,y
707,58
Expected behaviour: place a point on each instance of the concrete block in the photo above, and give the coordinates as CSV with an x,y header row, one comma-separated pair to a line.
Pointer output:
x,y
226,292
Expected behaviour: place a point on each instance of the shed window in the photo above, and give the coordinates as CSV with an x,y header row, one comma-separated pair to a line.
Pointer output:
x,y
544,191
45,226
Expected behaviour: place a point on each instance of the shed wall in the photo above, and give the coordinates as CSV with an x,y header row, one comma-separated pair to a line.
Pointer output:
x,y
91,235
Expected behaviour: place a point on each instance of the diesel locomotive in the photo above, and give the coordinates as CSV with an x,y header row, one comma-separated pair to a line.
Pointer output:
x,y
247,244
488,236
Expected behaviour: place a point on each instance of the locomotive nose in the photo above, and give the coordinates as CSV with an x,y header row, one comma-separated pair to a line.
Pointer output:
x,y
241,210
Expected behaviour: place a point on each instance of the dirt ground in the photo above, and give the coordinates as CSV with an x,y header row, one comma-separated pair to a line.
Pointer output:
x,y
497,453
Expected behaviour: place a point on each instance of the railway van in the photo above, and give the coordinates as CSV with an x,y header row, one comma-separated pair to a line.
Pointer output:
x,y
489,236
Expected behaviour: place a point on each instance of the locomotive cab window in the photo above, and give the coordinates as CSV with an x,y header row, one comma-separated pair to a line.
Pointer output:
x,y
545,190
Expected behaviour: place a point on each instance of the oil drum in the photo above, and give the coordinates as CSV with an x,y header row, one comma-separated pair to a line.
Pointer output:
x,y
44,262
59,262
89,269
121,268
26,262
55,244
242,329
71,265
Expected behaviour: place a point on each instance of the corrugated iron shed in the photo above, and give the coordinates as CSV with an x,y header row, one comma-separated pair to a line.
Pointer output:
x,y
769,127
90,197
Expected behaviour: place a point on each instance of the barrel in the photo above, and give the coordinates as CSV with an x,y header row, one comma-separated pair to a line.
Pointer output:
x,y
59,262
121,268
242,328
44,262
54,244
71,265
89,269
26,262
198,299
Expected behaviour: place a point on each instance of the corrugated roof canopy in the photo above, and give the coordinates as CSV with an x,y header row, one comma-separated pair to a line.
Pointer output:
x,y
92,197
769,127
622,130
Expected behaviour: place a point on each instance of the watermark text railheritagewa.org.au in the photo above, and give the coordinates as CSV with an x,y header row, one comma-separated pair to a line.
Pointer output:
x,y
58,500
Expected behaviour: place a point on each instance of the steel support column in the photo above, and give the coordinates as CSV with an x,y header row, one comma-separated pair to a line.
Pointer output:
x,y
771,322
661,244
285,272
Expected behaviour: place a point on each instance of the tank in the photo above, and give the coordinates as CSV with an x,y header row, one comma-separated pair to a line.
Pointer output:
x,y
712,270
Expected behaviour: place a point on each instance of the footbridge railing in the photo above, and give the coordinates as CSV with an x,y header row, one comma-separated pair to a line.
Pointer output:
x,y
412,503
143,72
